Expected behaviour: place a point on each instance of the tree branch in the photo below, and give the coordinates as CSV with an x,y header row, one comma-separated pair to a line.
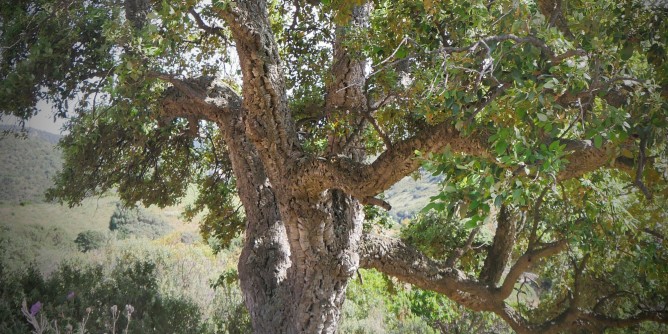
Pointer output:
x,y
457,253
314,174
395,258
377,202
499,254
364,180
525,262
199,98
212,30
269,123
537,42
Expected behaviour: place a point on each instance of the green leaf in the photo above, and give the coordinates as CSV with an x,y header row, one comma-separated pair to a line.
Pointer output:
x,y
598,141
500,147
471,223
541,117
436,206
498,201
554,146
627,51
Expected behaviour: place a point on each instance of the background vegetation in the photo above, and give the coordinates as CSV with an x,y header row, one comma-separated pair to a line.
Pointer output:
x,y
78,263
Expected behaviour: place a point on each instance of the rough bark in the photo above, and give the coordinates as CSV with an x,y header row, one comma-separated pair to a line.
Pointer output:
x,y
502,245
320,230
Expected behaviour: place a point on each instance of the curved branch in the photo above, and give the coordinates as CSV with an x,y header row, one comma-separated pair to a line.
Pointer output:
x,y
315,174
395,258
212,30
367,180
525,262
198,98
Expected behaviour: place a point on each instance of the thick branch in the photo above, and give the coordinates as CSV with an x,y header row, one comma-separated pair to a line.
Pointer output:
x,y
585,157
376,202
316,174
502,246
362,180
268,122
395,258
525,262
199,98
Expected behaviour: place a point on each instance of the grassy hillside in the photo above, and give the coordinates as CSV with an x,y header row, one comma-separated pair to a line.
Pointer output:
x,y
409,195
28,161
44,233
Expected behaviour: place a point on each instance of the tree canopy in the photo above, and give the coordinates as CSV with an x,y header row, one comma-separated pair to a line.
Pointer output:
x,y
547,119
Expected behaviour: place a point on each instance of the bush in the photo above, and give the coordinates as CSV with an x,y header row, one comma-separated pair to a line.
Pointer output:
x,y
90,240
137,222
74,293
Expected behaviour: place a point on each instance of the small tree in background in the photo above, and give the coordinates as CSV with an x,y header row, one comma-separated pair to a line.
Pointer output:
x,y
90,240
136,222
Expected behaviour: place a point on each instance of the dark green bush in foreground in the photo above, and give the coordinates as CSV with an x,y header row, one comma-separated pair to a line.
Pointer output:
x,y
73,295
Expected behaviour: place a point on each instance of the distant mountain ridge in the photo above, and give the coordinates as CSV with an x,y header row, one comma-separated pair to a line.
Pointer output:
x,y
29,159
28,164
32,132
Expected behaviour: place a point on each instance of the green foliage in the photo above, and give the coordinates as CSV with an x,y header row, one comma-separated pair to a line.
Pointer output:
x,y
74,293
90,240
167,286
44,46
136,222
445,316
528,78
438,236
223,218
378,304
373,306
150,164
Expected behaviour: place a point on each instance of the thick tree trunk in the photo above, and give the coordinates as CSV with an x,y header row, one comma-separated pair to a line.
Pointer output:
x,y
301,246
294,276
299,252
324,235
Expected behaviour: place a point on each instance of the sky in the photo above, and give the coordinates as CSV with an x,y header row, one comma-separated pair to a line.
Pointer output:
x,y
42,121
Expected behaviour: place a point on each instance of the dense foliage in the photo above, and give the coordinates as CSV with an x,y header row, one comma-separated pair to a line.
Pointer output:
x,y
136,222
546,120
94,298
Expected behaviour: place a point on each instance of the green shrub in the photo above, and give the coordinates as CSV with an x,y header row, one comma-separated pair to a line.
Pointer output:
x,y
11,292
90,240
77,292
137,222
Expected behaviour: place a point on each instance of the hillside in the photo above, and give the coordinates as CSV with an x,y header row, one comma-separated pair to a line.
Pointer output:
x,y
410,195
28,161
44,233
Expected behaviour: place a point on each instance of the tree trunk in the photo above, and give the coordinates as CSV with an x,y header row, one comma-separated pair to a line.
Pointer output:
x,y
301,246
298,253
324,236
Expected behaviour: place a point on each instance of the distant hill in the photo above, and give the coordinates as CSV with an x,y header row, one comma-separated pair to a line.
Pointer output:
x,y
29,159
409,196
